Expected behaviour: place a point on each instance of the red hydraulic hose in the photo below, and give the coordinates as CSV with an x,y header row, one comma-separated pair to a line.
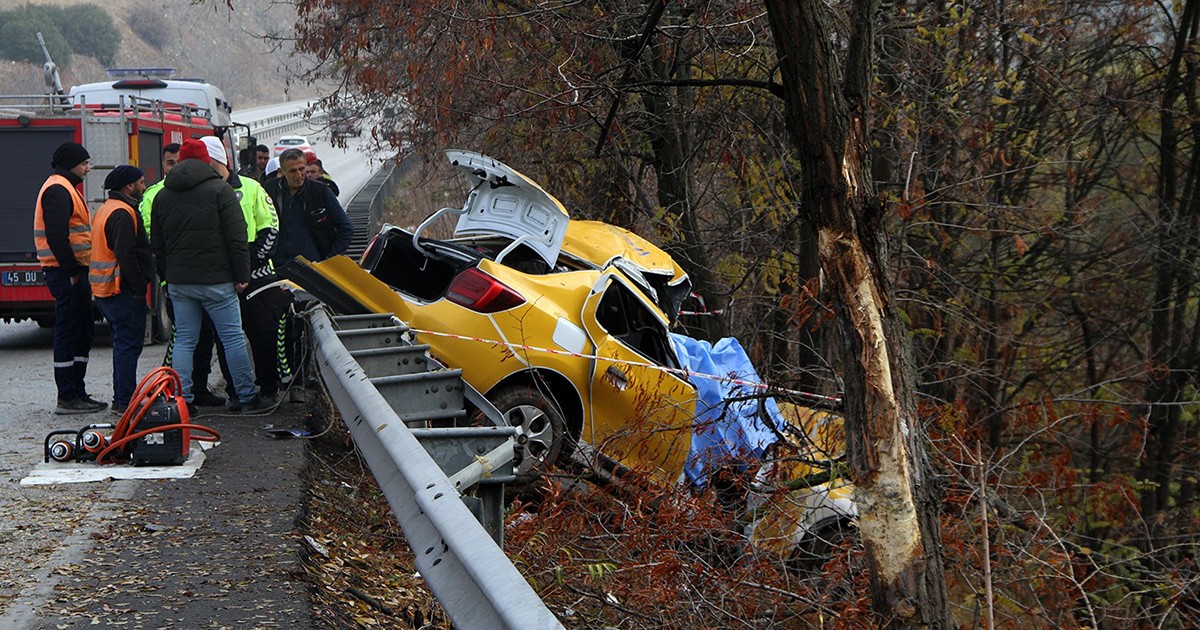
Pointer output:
x,y
161,382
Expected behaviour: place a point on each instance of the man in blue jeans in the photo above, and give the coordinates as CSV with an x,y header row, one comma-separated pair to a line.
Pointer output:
x,y
199,239
119,274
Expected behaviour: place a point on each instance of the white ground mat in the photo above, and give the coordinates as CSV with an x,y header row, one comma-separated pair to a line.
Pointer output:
x,y
45,474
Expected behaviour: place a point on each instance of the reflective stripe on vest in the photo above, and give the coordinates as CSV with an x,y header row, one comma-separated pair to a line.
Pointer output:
x,y
103,271
79,227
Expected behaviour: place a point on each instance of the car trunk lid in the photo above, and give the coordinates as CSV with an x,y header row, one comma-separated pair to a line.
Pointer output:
x,y
505,202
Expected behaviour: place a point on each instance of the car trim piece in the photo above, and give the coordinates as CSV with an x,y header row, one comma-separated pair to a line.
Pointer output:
x,y
568,336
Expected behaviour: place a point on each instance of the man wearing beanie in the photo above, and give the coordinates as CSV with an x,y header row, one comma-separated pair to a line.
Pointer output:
x,y
119,274
199,239
62,237
264,316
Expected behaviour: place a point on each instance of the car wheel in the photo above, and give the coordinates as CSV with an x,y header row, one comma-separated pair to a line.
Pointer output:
x,y
542,431
160,317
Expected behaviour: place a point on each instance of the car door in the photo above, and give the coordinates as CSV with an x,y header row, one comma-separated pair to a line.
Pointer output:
x,y
641,413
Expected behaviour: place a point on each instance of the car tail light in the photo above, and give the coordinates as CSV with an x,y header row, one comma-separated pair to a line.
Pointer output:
x,y
482,293
362,260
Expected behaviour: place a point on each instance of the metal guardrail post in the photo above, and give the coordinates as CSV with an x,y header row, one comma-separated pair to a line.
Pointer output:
x,y
464,568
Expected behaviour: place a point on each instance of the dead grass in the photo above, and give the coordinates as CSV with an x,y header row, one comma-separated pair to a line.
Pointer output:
x,y
359,565
643,557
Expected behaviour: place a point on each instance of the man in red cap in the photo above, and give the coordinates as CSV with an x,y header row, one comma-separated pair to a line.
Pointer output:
x,y
62,236
314,170
199,239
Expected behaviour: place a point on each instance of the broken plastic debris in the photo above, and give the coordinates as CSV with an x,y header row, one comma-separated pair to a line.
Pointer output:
x,y
285,434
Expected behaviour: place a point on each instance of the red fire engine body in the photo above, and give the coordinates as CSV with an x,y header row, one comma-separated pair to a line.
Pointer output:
x,y
131,131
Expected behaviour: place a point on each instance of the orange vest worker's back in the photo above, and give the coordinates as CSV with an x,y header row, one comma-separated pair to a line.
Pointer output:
x,y
103,271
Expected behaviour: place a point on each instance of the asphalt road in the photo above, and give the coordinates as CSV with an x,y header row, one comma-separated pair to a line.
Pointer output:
x,y
38,521
218,550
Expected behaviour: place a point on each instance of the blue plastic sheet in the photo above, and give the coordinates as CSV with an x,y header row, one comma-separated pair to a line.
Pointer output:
x,y
725,433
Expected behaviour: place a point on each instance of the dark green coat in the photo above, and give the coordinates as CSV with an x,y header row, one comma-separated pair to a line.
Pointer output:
x,y
199,234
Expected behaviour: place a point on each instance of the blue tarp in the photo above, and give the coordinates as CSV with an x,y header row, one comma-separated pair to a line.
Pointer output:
x,y
723,432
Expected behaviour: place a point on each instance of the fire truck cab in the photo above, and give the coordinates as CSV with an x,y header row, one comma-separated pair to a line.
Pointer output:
x,y
128,121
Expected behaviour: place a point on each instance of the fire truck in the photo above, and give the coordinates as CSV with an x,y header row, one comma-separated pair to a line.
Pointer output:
x,y
124,121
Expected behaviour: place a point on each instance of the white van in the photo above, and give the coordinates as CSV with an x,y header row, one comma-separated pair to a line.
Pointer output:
x,y
183,92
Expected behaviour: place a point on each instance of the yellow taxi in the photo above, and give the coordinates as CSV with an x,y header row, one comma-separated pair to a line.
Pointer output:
x,y
564,326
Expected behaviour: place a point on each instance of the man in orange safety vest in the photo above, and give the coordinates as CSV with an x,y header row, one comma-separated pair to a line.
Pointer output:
x,y
120,273
62,236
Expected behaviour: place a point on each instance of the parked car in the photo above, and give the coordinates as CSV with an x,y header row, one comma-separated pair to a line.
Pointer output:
x,y
291,142
564,326
342,123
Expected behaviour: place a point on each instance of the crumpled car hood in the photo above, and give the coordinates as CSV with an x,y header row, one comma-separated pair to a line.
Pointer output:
x,y
643,262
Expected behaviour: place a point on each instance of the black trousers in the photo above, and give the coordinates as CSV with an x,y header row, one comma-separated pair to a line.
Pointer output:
x,y
74,327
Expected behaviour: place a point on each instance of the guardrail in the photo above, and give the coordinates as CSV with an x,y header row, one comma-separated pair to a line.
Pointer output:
x,y
366,208
301,118
464,567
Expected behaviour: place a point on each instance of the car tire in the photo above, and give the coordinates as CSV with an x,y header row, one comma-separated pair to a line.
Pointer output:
x,y
160,327
539,420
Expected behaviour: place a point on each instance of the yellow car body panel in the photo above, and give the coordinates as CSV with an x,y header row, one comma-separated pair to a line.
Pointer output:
x,y
804,497
598,243
646,427
641,415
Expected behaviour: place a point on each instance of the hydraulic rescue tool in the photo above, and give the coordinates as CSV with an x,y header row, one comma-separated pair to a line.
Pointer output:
x,y
155,430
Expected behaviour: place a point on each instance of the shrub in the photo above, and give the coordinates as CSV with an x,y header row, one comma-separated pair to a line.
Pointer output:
x,y
90,31
149,24
18,41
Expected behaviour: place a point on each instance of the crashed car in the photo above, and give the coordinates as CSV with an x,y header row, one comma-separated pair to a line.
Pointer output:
x,y
564,326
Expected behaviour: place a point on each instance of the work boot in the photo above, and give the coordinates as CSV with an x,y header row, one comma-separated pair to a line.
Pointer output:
x,y
93,402
254,405
205,398
78,405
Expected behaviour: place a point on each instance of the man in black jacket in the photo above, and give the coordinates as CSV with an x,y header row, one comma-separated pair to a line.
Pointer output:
x,y
312,223
199,237
62,236
120,272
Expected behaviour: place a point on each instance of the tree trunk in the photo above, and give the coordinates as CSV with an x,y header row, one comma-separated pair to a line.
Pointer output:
x,y
672,151
826,114
1173,339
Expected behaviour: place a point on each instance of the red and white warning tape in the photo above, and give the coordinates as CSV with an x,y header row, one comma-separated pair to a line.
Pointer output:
x,y
683,373
703,307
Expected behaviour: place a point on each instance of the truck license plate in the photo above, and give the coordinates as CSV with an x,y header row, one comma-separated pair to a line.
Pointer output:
x,y
23,278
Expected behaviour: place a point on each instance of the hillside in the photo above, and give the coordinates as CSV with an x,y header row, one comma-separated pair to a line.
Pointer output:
x,y
206,40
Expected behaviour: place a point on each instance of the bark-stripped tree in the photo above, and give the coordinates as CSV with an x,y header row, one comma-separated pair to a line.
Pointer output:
x,y
827,98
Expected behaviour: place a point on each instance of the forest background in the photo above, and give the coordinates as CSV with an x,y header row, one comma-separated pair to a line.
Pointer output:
x,y
1036,171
